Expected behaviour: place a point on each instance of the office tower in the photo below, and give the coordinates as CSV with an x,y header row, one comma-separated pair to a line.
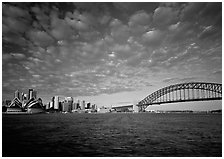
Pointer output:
x,y
93,106
60,106
88,105
47,106
69,100
56,102
32,94
78,105
51,105
16,94
65,107
74,106
83,105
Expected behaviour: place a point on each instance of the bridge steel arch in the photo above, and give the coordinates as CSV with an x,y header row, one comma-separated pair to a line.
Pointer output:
x,y
183,92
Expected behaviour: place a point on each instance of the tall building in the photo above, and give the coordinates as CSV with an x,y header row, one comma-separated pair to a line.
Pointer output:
x,y
94,106
32,94
69,103
65,107
56,102
74,106
16,94
78,105
83,105
51,105
47,106
88,105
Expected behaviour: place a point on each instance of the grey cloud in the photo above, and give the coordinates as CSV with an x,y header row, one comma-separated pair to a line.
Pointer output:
x,y
18,55
119,31
164,16
41,38
153,38
209,32
191,9
14,11
140,18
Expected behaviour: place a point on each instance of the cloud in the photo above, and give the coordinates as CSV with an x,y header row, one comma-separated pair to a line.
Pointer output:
x,y
13,11
119,31
153,37
164,16
40,38
18,55
93,48
208,32
140,18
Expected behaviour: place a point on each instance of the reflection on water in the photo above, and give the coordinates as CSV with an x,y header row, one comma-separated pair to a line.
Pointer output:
x,y
111,135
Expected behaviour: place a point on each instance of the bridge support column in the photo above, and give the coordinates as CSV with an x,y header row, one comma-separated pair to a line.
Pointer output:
x,y
135,108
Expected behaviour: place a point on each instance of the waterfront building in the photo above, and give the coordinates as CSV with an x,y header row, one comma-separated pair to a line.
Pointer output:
x,y
60,106
16,94
103,110
69,100
56,102
78,105
88,105
51,105
65,107
47,106
83,105
16,103
135,108
94,107
74,106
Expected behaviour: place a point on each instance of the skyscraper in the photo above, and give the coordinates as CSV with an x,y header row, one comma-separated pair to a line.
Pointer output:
x,y
69,101
65,107
88,105
51,105
83,105
32,94
56,102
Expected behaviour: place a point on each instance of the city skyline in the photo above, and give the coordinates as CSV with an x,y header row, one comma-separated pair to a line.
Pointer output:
x,y
109,53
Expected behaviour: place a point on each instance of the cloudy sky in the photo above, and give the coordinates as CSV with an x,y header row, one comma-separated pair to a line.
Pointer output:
x,y
108,53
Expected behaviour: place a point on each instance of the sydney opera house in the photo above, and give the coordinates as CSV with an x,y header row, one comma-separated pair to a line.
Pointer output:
x,y
24,103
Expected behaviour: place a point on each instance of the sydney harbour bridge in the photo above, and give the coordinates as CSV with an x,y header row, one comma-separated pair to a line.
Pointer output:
x,y
183,92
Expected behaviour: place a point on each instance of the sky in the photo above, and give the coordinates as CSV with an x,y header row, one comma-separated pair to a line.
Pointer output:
x,y
109,53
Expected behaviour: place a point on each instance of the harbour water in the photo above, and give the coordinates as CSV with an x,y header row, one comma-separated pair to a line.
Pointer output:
x,y
109,135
